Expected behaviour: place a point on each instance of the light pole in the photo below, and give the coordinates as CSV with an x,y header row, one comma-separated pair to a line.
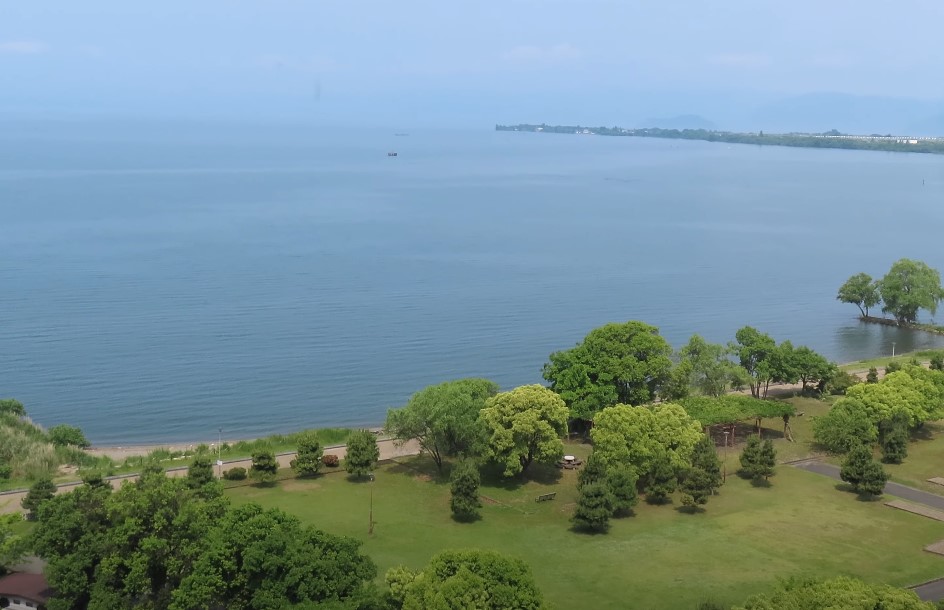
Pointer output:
x,y
370,528
219,454
724,475
893,349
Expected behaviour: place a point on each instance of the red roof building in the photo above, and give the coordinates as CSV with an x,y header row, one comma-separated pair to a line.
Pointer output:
x,y
22,591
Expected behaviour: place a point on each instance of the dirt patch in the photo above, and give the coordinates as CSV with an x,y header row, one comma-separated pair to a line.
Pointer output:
x,y
423,477
488,500
297,485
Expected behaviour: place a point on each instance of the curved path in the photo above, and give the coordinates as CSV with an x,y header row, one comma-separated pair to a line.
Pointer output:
x,y
932,591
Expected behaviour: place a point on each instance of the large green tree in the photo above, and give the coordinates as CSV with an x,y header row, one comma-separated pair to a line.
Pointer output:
x,y
754,350
908,287
633,436
845,426
444,418
39,493
842,592
524,425
616,363
258,559
128,548
861,291
468,579
362,453
711,370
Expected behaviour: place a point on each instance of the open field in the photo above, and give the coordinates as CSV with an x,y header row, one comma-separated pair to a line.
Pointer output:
x,y
746,538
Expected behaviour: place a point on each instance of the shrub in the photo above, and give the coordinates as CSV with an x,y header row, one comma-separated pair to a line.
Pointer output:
x,y
307,461
64,435
937,362
840,382
6,471
845,426
331,460
264,466
872,377
237,473
12,406
465,502
891,367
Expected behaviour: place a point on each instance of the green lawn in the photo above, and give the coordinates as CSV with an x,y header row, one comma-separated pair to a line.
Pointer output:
x,y
744,541
925,459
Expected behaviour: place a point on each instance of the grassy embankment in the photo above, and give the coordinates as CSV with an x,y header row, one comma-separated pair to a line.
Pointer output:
x,y
32,455
745,539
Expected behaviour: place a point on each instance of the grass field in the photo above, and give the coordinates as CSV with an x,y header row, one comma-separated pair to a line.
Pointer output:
x,y
660,558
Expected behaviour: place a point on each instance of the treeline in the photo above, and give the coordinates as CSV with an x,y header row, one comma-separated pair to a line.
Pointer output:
x,y
879,143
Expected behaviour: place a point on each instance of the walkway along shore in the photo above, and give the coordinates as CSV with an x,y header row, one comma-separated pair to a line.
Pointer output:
x,y
389,449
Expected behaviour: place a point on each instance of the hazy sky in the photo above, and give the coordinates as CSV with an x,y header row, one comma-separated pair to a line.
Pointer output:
x,y
479,62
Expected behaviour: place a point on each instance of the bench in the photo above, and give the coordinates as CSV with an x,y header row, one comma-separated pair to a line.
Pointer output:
x,y
546,497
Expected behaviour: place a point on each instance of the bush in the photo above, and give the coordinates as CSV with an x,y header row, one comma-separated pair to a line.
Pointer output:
x,y
846,426
12,406
872,377
237,473
892,367
840,382
307,461
6,471
265,466
937,362
65,435
465,503
330,460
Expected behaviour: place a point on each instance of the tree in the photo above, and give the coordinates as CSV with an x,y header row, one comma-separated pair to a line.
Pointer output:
x,y
479,580
846,426
128,548
633,436
12,406
621,481
872,376
705,458
861,291
594,471
696,487
860,470
841,592
810,368
12,546
307,460
758,459
264,559
937,362
595,505
661,479
465,503
264,466
200,472
524,425
908,287
39,492
617,363
768,459
893,437
712,372
444,418
362,453
754,349
64,435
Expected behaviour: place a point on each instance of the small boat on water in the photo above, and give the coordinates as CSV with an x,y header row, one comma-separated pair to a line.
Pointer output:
x,y
391,154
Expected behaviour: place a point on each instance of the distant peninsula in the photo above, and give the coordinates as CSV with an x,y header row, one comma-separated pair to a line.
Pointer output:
x,y
829,139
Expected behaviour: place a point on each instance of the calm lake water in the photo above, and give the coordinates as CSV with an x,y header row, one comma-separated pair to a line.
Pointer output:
x,y
161,281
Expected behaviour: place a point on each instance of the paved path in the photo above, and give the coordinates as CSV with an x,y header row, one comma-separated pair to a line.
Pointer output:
x,y
931,591
389,449
892,489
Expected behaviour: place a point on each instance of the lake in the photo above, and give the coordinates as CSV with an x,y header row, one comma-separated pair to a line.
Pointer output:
x,y
163,280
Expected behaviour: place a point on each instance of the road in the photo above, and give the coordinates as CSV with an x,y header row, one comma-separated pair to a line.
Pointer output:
x,y
389,449
892,489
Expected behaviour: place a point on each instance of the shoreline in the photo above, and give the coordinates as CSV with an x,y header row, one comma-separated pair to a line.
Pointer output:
x,y
120,452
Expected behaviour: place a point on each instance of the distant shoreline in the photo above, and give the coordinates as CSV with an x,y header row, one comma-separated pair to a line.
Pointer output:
x,y
833,139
